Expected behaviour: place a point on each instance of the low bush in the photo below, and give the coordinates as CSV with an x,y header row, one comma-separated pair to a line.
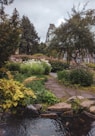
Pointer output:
x,y
48,97
47,67
43,96
35,67
81,76
63,75
32,69
77,76
13,66
76,107
19,76
58,65
13,95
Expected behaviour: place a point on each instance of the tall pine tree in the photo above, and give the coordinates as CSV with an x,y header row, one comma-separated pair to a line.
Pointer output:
x,y
9,35
29,39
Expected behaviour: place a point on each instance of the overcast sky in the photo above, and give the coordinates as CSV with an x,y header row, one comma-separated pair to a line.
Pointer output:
x,y
44,12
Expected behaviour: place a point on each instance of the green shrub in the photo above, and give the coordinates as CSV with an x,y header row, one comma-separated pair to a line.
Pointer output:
x,y
13,94
63,75
13,66
43,96
48,97
19,76
76,107
81,76
58,65
35,67
47,67
30,67
25,69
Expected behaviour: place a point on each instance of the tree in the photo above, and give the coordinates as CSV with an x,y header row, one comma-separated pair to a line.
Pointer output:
x,y
29,39
4,2
9,35
42,48
75,37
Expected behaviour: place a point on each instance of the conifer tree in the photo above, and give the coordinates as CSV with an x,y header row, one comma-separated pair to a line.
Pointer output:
x,y
9,35
29,39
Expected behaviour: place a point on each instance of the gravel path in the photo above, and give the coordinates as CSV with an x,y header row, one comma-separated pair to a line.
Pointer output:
x,y
61,91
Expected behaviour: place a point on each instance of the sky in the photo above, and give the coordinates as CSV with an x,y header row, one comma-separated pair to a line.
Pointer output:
x,y
44,12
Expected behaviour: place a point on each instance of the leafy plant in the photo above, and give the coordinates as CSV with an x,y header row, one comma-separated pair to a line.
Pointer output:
x,y
19,76
48,97
76,106
13,94
43,95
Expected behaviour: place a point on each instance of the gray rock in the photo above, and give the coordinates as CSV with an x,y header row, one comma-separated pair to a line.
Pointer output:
x,y
31,110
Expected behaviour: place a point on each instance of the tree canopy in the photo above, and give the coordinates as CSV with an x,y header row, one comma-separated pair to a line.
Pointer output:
x,y
75,37
9,35
6,2
29,39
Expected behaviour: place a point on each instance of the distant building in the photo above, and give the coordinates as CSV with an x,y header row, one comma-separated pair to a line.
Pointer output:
x,y
50,33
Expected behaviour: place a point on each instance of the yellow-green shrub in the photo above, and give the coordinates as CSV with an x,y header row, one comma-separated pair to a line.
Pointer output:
x,y
91,65
13,94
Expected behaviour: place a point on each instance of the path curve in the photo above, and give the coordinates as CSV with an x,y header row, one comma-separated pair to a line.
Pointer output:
x,y
61,91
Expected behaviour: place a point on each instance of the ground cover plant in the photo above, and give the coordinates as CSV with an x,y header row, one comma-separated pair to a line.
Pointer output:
x,y
43,95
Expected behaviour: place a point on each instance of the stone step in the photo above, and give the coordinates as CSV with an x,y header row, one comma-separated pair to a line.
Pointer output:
x,y
60,107
49,115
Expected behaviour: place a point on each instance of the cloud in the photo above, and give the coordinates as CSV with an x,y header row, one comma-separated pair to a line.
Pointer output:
x,y
43,12
60,21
